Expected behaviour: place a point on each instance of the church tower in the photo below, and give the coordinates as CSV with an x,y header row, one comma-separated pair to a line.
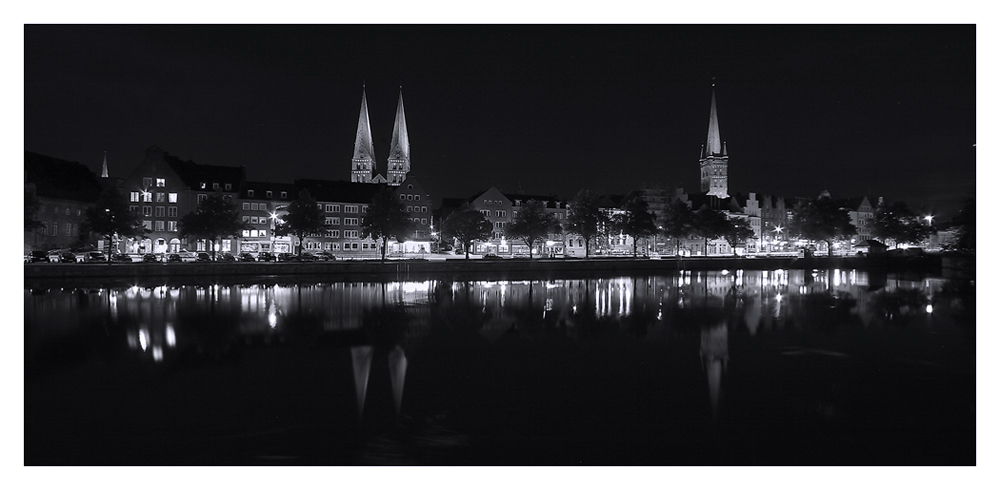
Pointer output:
x,y
363,163
399,148
714,159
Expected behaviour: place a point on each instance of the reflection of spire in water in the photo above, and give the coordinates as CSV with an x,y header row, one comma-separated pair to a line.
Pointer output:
x,y
715,356
361,356
397,374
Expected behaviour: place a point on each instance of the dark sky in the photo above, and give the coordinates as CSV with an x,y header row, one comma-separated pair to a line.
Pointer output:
x,y
877,110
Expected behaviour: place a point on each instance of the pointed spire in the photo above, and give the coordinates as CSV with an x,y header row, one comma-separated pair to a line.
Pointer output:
x,y
713,142
399,148
364,149
104,168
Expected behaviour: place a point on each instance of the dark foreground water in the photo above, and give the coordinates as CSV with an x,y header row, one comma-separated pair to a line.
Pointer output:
x,y
838,367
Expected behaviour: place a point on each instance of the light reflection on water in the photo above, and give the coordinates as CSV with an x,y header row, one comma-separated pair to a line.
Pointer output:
x,y
384,321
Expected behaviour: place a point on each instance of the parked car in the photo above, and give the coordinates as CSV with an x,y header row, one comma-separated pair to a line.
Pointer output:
x,y
38,256
150,258
95,257
246,257
67,258
287,257
266,257
307,257
125,258
325,256
174,258
490,255
227,257
203,257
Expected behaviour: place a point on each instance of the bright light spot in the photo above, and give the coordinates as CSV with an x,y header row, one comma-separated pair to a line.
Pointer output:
x,y
157,353
143,339
171,337
778,297
725,272
930,308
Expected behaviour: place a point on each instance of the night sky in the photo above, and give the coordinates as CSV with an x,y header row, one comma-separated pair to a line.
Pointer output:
x,y
858,110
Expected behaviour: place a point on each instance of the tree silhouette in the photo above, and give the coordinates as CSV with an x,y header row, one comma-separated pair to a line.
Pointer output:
x,y
110,216
710,224
386,218
532,223
303,218
585,218
466,225
677,223
214,218
738,232
821,220
637,221
896,222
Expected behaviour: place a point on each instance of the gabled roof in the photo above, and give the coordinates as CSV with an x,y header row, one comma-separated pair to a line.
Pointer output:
x,y
60,179
260,190
194,174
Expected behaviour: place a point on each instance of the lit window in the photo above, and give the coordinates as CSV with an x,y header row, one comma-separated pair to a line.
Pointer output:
x,y
172,197
161,182
329,208
171,226
132,197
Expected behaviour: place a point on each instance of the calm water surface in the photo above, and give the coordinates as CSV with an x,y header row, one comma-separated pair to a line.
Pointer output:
x,y
841,367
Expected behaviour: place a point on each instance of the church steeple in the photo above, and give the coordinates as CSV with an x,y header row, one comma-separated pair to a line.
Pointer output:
x,y
399,148
363,163
104,168
714,160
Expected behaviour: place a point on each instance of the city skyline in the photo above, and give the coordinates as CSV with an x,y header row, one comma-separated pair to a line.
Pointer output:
x,y
856,110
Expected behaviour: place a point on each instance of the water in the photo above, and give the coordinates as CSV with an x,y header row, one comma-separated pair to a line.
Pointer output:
x,y
783,367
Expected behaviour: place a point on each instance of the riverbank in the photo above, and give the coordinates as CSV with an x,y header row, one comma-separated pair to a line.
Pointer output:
x,y
401,268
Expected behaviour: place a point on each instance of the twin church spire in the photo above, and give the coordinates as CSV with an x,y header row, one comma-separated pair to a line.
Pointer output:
x,y
363,163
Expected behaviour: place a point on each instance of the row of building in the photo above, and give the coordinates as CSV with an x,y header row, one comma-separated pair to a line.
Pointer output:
x,y
162,188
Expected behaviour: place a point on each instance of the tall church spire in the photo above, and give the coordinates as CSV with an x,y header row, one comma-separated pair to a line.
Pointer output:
x,y
399,148
104,168
714,160
363,163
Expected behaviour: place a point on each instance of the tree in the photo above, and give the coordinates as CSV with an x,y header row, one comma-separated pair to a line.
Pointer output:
x,y
386,218
214,218
637,221
738,232
585,218
110,216
532,223
710,224
821,220
677,222
466,225
896,222
303,218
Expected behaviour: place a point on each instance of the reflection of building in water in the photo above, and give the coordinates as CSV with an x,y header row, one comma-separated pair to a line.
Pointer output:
x,y
714,357
361,366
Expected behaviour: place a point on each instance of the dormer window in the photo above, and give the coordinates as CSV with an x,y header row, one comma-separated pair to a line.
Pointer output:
x,y
249,192
267,193
215,186
202,185
229,187
284,195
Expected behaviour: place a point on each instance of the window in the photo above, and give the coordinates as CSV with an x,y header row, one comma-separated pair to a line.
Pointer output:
x,y
201,197
147,196
402,197
161,182
336,208
416,197
147,224
246,219
263,233
253,206
69,229
147,181
215,186
409,209
409,197
202,185
423,221
329,208
246,206
172,211
350,209
423,209
334,221
171,226
159,211
364,209
147,210
55,228
161,197
229,187
350,233
253,220
159,226
132,197
267,193
133,209
351,221
246,233
172,197
328,221
249,192
284,195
